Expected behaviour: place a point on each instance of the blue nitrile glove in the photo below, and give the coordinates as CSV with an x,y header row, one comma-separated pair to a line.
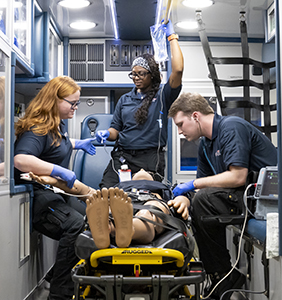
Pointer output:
x,y
65,174
183,188
102,135
167,28
85,145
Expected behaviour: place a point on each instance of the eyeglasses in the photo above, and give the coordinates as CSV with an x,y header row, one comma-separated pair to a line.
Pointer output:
x,y
141,74
72,103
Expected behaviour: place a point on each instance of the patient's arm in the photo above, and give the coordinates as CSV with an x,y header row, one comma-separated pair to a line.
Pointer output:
x,y
78,188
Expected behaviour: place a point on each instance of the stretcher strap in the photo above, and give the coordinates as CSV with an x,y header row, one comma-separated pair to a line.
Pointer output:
x,y
208,55
152,222
241,60
246,82
246,69
266,97
170,222
266,109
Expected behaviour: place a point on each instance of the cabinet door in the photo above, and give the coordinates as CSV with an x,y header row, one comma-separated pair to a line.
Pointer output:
x,y
4,13
22,28
54,45
4,140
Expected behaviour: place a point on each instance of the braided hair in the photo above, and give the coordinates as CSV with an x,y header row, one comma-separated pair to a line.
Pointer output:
x,y
141,114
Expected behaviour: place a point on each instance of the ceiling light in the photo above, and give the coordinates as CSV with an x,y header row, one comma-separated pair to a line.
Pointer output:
x,y
114,18
198,3
3,4
82,25
187,24
74,3
17,4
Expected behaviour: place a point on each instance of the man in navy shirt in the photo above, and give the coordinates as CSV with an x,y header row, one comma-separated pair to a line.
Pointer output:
x,y
230,149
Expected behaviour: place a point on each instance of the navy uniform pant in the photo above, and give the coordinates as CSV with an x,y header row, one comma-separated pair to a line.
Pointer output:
x,y
148,159
61,218
210,235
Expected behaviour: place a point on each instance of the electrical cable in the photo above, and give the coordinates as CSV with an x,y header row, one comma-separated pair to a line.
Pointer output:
x,y
26,176
242,291
204,148
239,245
58,190
205,152
160,132
248,208
241,236
113,165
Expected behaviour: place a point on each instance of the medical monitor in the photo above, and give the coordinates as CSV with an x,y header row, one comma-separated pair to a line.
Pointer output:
x,y
267,184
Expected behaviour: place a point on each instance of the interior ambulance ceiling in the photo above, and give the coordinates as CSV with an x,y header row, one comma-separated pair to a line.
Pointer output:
x,y
134,18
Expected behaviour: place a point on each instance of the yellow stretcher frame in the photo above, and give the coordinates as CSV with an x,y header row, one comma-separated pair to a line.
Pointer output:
x,y
148,256
162,285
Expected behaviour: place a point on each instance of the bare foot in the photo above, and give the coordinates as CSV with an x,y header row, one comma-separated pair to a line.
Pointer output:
x,y
97,212
122,212
78,188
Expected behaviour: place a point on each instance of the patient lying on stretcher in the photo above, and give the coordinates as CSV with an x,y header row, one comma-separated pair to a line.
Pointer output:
x,y
125,226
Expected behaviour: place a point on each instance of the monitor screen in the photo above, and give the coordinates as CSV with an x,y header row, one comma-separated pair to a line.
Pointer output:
x,y
270,184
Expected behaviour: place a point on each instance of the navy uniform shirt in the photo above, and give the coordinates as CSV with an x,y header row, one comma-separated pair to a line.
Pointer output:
x,y
145,136
235,142
41,147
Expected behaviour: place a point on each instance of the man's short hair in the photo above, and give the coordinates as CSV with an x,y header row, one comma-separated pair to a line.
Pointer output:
x,y
188,103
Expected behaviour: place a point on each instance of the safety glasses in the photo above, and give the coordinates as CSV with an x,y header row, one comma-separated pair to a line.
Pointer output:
x,y
72,103
141,74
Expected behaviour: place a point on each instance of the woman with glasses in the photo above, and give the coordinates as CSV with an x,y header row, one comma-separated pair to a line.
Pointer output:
x,y
42,146
139,124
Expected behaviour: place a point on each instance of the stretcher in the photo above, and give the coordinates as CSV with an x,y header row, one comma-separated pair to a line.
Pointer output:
x,y
162,270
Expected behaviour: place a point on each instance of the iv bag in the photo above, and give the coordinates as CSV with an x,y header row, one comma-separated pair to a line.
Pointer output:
x,y
159,43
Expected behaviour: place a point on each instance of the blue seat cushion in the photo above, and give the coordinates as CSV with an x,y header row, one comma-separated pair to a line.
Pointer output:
x,y
256,229
98,122
90,168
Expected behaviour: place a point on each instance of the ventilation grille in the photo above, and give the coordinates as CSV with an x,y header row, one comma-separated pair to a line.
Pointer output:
x,y
78,71
95,71
78,52
87,62
96,52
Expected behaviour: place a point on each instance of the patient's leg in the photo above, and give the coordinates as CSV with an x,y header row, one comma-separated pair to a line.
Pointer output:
x,y
144,232
78,188
122,212
97,212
